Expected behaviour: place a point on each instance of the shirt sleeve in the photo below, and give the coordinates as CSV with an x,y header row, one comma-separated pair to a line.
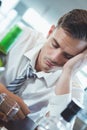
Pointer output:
x,y
58,103
78,93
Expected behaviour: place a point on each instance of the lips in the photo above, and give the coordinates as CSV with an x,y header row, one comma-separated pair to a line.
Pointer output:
x,y
49,63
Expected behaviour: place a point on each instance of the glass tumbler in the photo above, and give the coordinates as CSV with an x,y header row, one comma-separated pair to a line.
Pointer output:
x,y
8,106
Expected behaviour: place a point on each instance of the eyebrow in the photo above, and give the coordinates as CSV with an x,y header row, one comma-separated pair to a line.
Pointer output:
x,y
64,52
56,42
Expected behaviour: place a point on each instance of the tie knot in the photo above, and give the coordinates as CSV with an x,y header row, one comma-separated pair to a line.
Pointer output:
x,y
29,73
15,85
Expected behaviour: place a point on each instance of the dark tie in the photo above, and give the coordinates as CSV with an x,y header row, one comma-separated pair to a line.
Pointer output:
x,y
15,85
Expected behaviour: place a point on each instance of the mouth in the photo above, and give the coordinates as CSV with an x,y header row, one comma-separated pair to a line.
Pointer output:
x,y
49,63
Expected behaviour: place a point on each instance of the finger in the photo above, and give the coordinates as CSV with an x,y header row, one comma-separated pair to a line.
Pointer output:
x,y
84,61
25,109
23,106
19,115
3,117
77,60
85,51
15,117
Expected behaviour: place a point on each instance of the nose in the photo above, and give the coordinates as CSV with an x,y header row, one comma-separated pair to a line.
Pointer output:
x,y
56,55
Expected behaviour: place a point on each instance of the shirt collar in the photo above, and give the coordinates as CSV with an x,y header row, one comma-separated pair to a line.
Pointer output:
x,y
32,55
52,77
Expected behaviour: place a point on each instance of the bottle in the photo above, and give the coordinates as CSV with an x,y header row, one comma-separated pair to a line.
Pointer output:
x,y
64,122
2,63
81,119
0,2
9,39
85,99
6,44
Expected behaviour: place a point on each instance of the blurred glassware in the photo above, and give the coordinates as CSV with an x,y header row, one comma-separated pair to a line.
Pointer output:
x,y
2,62
8,40
6,43
64,122
8,106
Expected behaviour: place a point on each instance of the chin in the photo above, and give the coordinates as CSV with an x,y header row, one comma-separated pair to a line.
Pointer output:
x,y
54,69
46,70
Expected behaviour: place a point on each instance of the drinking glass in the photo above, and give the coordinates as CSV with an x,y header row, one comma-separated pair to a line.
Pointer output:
x,y
8,106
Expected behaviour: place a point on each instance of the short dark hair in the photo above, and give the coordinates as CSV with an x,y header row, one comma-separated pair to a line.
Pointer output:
x,y
75,23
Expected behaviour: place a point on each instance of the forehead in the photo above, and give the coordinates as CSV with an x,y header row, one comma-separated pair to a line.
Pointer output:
x,y
67,42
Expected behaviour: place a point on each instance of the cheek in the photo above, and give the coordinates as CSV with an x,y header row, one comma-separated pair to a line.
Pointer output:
x,y
62,61
47,50
42,55
65,60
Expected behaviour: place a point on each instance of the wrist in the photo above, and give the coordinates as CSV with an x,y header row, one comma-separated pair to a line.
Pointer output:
x,y
67,72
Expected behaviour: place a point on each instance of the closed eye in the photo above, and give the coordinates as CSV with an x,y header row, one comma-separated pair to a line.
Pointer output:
x,y
55,44
67,56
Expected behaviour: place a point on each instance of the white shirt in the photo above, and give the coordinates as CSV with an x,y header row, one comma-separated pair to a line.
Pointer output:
x,y
41,89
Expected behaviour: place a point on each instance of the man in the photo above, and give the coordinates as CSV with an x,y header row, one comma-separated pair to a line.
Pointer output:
x,y
54,61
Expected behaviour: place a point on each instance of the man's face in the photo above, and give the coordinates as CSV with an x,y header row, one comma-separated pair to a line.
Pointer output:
x,y
58,49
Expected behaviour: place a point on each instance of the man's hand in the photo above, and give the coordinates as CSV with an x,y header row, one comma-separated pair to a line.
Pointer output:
x,y
3,116
23,111
63,84
75,63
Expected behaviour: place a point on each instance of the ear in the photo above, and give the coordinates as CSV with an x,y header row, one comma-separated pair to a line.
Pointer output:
x,y
51,30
